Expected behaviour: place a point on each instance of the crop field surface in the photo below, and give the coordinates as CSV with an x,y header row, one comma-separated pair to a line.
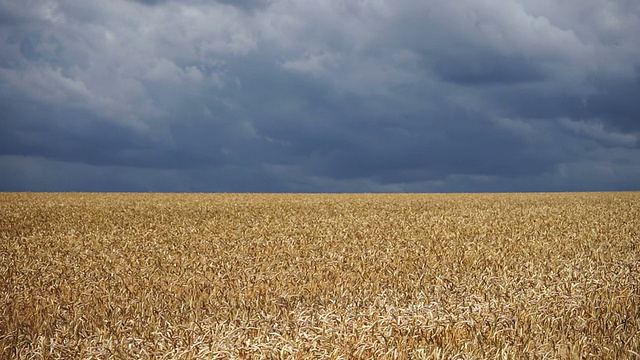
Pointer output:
x,y
315,276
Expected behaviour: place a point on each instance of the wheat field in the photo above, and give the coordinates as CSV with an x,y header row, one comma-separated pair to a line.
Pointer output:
x,y
319,276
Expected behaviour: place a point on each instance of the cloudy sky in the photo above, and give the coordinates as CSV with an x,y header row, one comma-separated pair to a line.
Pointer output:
x,y
319,96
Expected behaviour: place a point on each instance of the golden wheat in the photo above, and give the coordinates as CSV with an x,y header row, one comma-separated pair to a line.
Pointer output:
x,y
265,276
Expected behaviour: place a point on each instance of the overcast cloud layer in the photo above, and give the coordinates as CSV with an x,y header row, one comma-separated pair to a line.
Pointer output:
x,y
333,95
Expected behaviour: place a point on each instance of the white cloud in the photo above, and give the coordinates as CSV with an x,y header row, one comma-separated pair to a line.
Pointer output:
x,y
516,126
107,56
47,83
319,63
164,71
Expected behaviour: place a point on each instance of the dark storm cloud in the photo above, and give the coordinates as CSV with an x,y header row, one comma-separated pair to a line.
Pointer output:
x,y
414,149
263,95
617,103
242,4
486,69
246,4
79,136
149,2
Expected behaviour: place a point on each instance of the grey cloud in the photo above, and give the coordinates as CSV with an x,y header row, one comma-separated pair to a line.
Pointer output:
x,y
319,96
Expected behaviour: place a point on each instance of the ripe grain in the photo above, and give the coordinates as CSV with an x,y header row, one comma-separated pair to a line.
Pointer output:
x,y
267,276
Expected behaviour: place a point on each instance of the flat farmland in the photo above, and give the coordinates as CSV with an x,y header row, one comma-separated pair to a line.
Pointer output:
x,y
340,276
